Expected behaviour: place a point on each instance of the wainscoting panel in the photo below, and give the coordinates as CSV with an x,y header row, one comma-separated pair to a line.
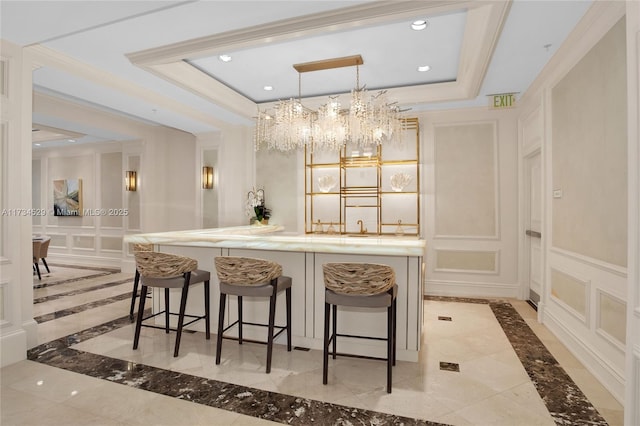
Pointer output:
x,y
83,241
572,292
586,310
467,261
611,318
111,243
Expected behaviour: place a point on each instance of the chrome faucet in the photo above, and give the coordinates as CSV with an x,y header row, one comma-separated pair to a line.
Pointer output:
x,y
363,230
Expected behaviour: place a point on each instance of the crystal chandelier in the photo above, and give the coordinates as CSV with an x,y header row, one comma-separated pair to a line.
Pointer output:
x,y
370,120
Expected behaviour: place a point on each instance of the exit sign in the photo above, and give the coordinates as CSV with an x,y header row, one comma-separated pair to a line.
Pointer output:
x,y
502,101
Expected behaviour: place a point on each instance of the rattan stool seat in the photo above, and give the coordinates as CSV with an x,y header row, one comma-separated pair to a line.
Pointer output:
x,y
247,276
363,285
167,271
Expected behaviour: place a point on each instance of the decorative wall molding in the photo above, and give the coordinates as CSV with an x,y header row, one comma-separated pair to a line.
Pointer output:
x,y
615,342
5,297
596,263
611,377
586,283
496,182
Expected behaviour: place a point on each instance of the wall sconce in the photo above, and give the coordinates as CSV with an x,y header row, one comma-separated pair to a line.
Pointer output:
x,y
130,180
207,177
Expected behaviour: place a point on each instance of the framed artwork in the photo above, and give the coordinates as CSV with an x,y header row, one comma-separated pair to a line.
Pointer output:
x,y
67,197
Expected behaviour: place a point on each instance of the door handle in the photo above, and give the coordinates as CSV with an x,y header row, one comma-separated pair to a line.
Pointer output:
x,y
534,234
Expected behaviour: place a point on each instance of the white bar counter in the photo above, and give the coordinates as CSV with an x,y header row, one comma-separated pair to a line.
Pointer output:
x,y
302,257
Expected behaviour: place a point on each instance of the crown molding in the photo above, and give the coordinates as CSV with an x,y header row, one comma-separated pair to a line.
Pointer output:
x,y
46,57
289,29
484,23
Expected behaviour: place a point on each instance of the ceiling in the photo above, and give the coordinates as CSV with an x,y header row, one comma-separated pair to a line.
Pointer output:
x,y
158,61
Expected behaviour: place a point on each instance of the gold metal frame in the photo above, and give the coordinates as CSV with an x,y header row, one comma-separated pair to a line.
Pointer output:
x,y
345,192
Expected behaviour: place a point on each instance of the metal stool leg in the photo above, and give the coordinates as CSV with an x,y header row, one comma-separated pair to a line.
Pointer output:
x,y
335,330
183,305
272,316
223,299
136,281
325,357
206,310
395,323
288,295
143,297
166,310
389,345
240,320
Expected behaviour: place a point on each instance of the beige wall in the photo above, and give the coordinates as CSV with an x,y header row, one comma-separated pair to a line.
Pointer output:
x,y
279,175
590,153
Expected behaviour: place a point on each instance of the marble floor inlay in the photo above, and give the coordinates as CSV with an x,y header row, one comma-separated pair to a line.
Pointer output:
x,y
57,270
272,406
85,307
450,366
79,291
465,376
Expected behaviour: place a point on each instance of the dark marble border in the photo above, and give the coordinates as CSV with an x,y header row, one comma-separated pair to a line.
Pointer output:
x,y
80,291
273,406
81,308
101,273
564,400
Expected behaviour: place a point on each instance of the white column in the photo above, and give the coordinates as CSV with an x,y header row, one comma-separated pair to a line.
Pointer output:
x,y
17,327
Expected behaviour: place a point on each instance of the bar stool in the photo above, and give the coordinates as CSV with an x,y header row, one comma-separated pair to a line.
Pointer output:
x,y
246,276
163,270
362,285
136,279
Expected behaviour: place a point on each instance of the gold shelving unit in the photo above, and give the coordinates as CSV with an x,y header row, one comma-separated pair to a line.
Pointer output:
x,y
362,190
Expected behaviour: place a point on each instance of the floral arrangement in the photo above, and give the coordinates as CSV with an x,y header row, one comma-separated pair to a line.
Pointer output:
x,y
255,207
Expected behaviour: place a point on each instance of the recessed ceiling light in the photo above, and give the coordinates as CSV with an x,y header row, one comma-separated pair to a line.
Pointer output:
x,y
423,68
420,24
224,58
268,88
71,140
37,144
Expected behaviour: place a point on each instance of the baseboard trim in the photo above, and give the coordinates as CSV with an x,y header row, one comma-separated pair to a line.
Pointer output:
x,y
14,347
471,289
596,364
80,260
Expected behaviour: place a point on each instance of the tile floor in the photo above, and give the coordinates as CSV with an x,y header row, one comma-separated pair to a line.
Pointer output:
x,y
473,370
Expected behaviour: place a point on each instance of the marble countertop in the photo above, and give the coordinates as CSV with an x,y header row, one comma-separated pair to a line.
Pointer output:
x,y
273,237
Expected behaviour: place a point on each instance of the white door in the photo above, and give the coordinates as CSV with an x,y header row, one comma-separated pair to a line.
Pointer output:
x,y
534,226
